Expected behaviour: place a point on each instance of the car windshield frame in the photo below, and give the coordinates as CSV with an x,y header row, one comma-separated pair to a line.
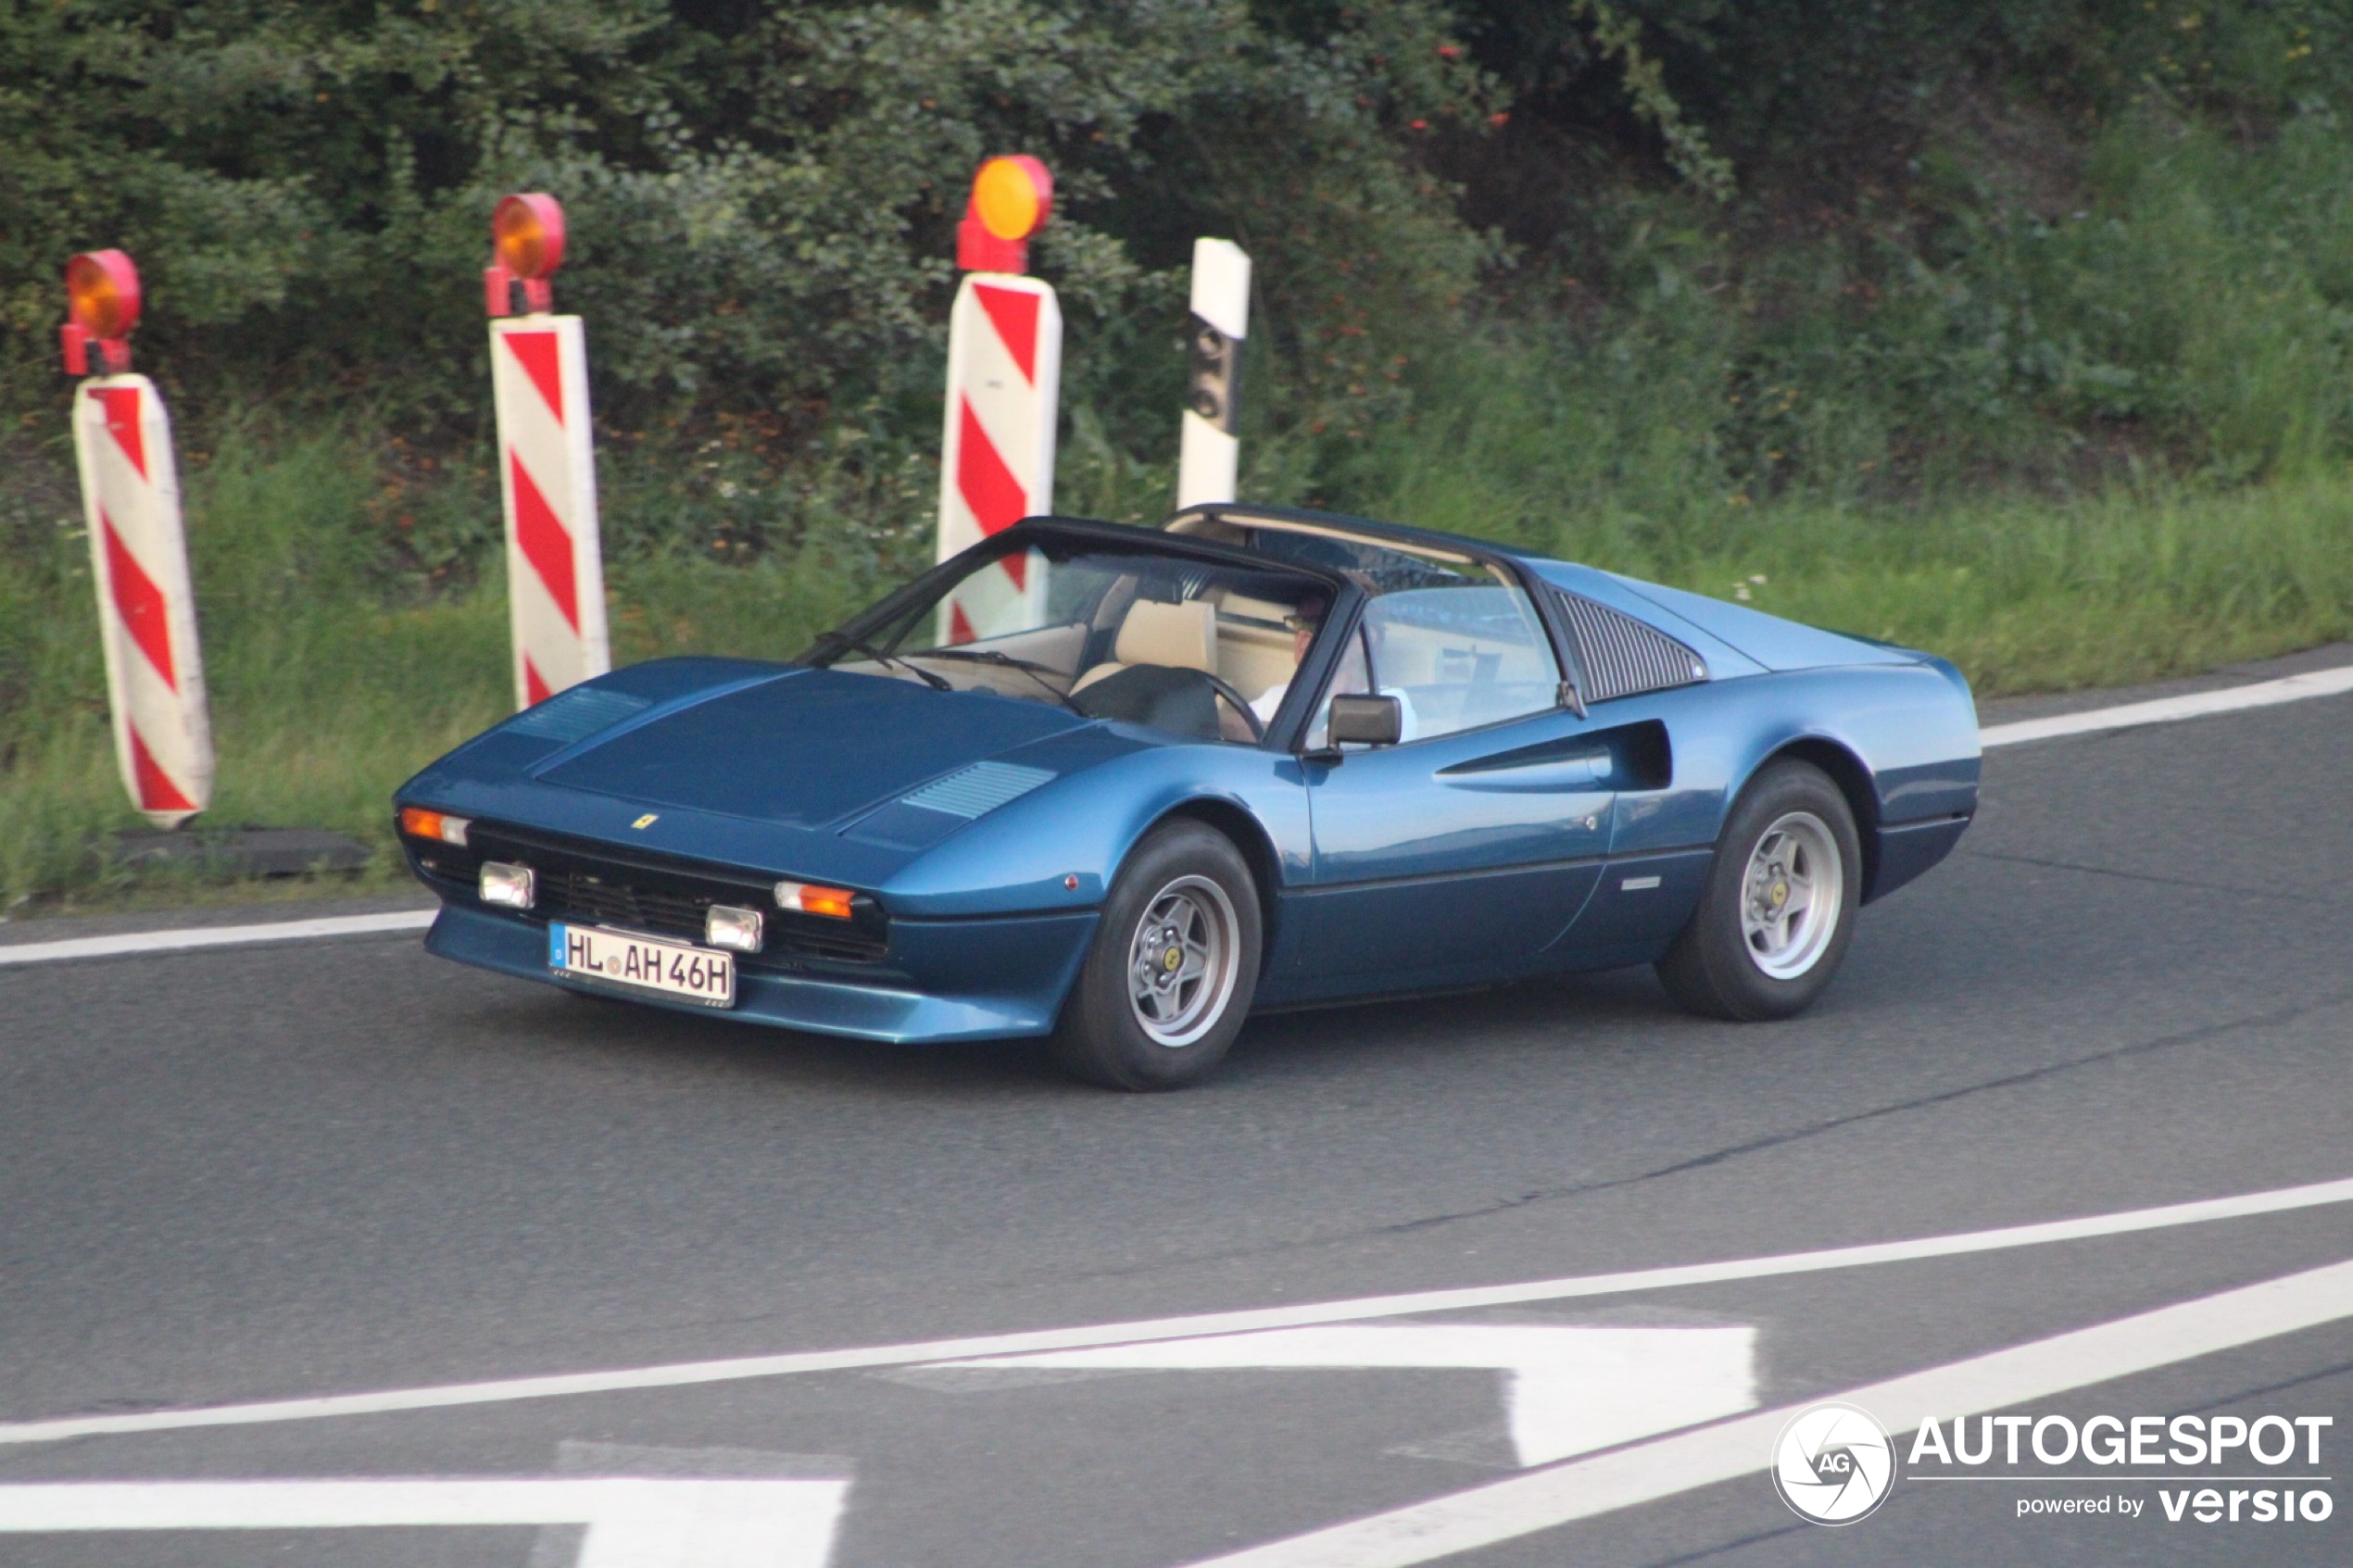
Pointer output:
x,y
884,627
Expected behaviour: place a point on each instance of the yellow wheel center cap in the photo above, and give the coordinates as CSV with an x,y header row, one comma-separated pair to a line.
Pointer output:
x,y
1781,894
1172,960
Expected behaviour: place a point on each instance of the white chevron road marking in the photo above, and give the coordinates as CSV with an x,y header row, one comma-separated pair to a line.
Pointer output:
x,y
1541,1499
1567,1388
634,1522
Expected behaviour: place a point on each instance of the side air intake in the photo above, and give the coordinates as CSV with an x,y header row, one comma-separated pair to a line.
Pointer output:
x,y
1624,658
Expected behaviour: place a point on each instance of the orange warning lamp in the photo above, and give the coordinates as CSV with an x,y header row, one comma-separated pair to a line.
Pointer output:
x,y
1012,199
526,246
102,305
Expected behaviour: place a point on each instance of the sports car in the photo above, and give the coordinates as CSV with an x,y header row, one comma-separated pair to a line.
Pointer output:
x,y
1122,786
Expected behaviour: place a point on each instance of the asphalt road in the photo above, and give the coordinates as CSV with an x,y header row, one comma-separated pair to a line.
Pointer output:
x,y
341,1167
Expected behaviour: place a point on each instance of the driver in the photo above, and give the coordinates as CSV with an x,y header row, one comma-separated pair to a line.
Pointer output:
x,y
1303,622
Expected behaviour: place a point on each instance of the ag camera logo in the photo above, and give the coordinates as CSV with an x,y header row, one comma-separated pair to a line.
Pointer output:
x,y
1833,1464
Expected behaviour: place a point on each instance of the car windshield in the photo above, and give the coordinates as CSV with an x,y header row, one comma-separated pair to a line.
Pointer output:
x,y
1134,632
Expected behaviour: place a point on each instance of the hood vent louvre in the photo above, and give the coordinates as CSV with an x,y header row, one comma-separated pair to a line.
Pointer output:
x,y
1623,656
577,714
977,790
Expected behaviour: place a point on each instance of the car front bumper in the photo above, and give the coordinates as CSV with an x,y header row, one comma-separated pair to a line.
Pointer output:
x,y
945,981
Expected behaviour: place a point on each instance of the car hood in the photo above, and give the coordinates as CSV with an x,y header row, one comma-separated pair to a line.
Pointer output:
x,y
808,749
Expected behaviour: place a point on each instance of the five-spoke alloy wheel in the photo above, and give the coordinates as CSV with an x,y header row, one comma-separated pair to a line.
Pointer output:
x,y
1168,981
1792,894
1779,908
1181,964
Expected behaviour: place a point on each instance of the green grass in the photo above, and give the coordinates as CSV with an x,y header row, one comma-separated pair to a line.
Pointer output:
x,y
329,680
2025,594
332,678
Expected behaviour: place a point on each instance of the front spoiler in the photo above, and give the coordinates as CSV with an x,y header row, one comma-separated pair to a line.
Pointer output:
x,y
997,978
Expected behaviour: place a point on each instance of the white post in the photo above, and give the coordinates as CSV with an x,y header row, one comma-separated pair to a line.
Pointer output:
x,y
1208,458
147,603
548,476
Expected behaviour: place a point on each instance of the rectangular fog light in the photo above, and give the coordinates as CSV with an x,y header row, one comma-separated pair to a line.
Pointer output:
x,y
506,887
727,926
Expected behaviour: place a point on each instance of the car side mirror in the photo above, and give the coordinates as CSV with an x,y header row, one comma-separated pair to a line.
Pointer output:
x,y
1365,720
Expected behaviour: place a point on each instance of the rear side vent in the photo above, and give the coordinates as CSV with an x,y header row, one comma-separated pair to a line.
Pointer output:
x,y
1624,658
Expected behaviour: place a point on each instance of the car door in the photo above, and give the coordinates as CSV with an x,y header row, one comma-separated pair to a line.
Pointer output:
x,y
1460,853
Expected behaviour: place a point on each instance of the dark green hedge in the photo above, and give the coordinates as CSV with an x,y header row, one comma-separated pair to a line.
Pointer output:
x,y
1896,203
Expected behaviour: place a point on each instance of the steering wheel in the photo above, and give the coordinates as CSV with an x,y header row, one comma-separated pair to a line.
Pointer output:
x,y
1239,702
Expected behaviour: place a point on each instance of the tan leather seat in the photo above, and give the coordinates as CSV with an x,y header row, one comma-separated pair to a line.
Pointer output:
x,y
1181,636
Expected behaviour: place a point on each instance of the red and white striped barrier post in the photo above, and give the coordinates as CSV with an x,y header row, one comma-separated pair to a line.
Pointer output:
x,y
1208,454
138,550
546,457
1004,386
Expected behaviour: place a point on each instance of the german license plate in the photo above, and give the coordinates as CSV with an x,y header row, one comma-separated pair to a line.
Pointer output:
x,y
642,963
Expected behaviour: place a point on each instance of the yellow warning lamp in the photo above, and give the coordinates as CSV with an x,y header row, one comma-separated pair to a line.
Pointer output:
x,y
102,306
1013,197
526,246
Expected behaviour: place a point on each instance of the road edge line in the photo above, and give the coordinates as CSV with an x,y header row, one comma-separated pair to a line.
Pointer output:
x,y
185,938
2311,684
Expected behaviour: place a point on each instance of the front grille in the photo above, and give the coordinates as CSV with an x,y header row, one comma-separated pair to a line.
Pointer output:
x,y
1622,655
803,938
591,885
595,900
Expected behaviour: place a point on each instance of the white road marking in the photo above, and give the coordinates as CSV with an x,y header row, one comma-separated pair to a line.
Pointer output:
x,y
2166,709
634,1522
684,1374
215,936
1541,1499
1567,1388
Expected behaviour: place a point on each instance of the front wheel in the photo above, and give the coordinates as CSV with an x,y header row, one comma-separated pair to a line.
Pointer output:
x,y
1168,981
1779,908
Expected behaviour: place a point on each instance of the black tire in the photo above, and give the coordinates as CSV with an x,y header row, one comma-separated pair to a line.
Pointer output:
x,y
1716,968
1183,873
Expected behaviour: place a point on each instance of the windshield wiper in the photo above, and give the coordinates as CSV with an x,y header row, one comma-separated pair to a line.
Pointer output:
x,y
835,642
1029,667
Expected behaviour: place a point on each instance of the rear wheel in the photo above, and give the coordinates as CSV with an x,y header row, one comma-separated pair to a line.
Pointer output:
x,y
1779,908
1168,981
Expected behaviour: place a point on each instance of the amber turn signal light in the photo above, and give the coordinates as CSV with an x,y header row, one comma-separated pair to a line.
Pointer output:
x,y
418,822
810,899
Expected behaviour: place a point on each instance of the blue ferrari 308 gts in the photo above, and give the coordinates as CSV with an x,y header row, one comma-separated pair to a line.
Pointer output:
x,y
1120,787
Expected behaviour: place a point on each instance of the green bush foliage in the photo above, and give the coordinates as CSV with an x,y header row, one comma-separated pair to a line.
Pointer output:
x,y
1900,244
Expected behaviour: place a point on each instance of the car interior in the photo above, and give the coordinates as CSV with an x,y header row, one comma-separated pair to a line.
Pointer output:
x,y
1190,648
